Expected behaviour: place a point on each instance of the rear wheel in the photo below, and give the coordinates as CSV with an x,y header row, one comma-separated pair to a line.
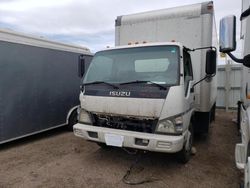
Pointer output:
x,y
212,118
72,120
241,184
185,154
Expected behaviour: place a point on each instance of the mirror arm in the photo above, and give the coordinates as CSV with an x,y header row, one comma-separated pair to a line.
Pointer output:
x,y
245,14
207,76
202,48
235,58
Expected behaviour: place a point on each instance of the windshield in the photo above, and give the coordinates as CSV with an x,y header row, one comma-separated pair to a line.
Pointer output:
x,y
159,64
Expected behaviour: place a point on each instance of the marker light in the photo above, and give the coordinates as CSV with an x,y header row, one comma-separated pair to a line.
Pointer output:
x,y
248,96
136,42
210,6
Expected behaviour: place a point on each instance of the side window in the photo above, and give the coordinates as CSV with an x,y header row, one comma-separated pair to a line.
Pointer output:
x,y
188,71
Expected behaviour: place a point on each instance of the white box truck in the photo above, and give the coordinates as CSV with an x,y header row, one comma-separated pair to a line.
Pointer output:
x,y
39,86
227,45
157,86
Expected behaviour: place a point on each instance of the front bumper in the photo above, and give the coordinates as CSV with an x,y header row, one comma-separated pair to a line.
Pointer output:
x,y
156,142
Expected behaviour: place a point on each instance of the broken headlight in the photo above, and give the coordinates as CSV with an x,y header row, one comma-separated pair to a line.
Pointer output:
x,y
170,126
84,116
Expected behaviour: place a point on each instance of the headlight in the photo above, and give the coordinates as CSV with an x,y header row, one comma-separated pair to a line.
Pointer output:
x,y
170,126
84,116
166,126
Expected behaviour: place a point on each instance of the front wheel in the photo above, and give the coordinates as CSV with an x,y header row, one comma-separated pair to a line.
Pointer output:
x,y
185,154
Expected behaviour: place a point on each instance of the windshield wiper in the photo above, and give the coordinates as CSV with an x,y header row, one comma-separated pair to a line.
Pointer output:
x,y
101,82
144,81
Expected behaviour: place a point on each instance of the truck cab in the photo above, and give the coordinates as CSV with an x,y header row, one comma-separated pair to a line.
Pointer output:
x,y
139,96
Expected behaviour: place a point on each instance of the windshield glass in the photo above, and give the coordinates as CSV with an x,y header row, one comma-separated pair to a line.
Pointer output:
x,y
159,64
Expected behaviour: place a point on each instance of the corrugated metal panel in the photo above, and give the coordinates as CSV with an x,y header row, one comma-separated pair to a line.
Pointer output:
x,y
228,85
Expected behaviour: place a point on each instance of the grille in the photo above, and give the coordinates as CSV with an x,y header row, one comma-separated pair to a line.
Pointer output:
x,y
123,123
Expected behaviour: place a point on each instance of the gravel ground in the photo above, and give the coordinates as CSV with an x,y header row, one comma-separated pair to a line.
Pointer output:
x,y
59,159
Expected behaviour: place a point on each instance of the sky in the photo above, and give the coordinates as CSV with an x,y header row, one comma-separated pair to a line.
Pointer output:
x,y
89,23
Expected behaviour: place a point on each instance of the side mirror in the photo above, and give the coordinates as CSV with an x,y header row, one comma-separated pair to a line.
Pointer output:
x,y
228,38
228,34
81,66
210,66
246,61
211,62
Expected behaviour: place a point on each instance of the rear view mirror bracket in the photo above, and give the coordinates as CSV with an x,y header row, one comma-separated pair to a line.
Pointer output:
x,y
245,61
213,69
206,77
81,66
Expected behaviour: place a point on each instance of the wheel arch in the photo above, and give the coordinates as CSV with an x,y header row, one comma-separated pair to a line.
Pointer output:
x,y
71,111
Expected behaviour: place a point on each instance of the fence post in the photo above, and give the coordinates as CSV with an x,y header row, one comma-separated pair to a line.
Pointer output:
x,y
227,84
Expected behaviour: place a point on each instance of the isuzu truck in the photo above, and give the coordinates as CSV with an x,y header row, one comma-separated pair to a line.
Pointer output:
x,y
157,86
227,45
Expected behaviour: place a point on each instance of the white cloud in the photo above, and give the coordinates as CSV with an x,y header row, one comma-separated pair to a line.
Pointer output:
x,y
26,5
88,22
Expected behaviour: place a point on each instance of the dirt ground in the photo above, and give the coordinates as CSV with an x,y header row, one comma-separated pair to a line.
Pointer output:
x,y
59,159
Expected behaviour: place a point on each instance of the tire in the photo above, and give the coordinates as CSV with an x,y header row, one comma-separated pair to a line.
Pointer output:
x,y
185,154
213,111
72,120
241,184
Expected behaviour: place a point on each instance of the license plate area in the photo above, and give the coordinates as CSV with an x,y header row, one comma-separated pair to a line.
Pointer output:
x,y
114,140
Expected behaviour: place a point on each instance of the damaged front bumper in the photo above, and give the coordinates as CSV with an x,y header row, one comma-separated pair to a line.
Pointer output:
x,y
131,139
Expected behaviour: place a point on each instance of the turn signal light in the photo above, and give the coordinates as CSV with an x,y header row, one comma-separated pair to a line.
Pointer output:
x,y
248,96
210,6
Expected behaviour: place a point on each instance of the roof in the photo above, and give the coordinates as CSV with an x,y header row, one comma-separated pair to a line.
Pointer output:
x,y
181,11
20,38
144,45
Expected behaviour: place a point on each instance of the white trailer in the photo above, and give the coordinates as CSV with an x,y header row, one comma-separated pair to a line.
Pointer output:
x,y
227,45
38,84
154,88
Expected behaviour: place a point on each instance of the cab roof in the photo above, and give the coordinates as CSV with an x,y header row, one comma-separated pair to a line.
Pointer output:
x,y
144,45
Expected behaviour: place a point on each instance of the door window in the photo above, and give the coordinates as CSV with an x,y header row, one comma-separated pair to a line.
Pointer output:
x,y
188,71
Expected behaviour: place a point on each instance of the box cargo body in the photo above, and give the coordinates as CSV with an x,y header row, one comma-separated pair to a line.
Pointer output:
x,y
39,86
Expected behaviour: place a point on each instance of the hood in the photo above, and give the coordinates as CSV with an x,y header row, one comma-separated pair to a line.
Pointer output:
x,y
126,106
